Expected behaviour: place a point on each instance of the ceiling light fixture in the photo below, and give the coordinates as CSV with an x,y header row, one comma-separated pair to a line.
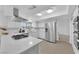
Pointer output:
x,y
39,14
49,11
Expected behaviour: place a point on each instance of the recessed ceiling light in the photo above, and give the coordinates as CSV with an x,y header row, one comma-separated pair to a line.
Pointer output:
x,y
39,14
49,11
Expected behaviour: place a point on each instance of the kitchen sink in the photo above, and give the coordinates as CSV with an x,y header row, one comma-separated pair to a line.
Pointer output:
x,y
20,36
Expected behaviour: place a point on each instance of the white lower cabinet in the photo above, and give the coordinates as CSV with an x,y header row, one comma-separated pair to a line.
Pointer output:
x,y
32,50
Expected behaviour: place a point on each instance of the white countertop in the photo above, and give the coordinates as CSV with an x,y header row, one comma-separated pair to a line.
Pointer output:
x,y
77,40
10,46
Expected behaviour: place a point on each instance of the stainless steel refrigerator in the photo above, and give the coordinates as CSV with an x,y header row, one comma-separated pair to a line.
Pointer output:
x,y
50,31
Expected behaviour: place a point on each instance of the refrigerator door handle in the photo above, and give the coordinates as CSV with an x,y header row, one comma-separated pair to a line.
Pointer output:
x,y
46,29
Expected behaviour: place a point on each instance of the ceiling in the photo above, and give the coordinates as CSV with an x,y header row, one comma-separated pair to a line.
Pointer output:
x,y
27,12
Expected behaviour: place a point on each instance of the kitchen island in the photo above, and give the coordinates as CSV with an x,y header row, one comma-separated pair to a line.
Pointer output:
x,y
24,45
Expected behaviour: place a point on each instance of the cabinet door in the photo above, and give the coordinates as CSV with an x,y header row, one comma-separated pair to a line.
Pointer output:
x,y
42,33
41,30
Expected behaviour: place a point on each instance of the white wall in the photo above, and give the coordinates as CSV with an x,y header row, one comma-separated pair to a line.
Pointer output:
x,y
63,25
14,24
4,21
